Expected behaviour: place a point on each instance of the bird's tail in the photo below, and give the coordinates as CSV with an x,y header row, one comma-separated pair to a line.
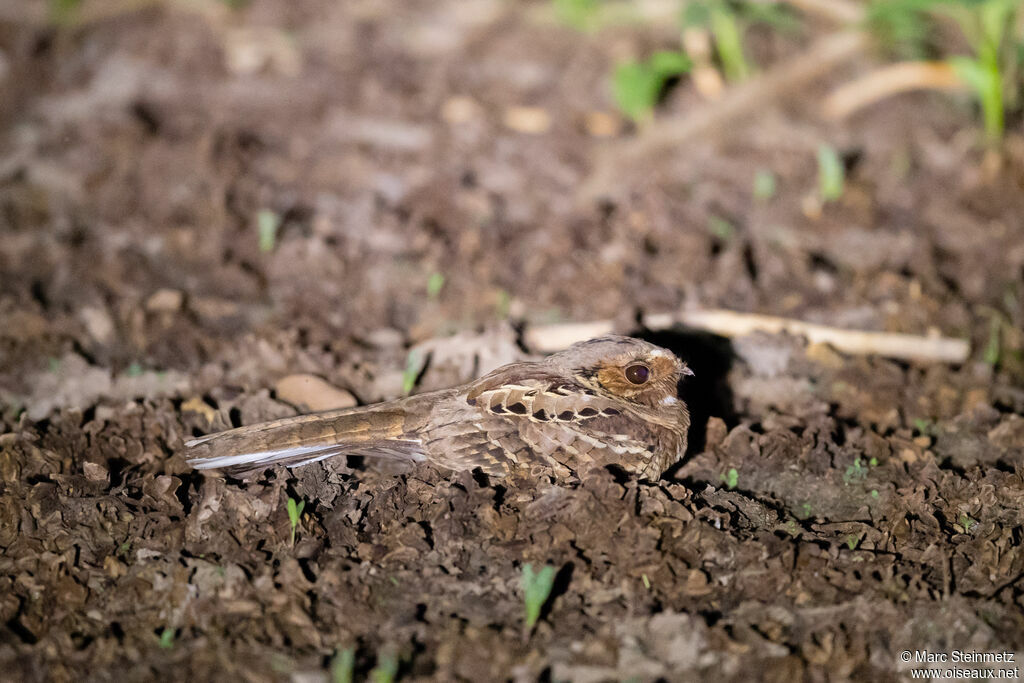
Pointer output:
x,y
305,439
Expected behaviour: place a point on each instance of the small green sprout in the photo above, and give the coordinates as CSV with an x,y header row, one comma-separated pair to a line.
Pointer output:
x,y
167,638
411,372
730,477
647,582
721,228
503,304
852,540
988,26
966,522
923,426
580,14
294,514
831,173
806,510
342,665
386,669
874,493
636,86
536,591
855,472
764,185
134,370
267,223
873,462
992,348
124,547
434,284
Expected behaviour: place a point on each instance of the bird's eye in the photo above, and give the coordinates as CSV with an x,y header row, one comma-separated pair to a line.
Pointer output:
x,y
638,374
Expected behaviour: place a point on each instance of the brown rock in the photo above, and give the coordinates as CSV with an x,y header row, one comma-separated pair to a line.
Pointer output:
x,y
312,393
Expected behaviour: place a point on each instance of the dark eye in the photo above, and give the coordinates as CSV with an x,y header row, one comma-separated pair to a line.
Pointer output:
x,y
638,374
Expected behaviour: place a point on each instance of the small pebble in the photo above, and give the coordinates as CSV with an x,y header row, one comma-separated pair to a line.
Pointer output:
x,y
312,393
165,301
530,120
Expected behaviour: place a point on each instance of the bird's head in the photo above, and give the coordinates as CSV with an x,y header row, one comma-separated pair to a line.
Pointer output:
x,y
625,368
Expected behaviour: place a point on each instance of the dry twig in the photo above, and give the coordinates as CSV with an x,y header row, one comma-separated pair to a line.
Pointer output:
x,y
887,81
550,338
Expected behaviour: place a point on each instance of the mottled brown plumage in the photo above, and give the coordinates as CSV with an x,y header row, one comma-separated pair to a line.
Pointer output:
x,y
606,401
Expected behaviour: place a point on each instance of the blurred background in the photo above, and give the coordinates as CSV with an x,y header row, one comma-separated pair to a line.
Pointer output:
x,y
176,173
200,197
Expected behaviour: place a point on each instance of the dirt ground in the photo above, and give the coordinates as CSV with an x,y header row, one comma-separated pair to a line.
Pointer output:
x,y
834,510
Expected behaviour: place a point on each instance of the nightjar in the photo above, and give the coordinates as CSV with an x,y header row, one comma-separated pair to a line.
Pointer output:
x,y
606,401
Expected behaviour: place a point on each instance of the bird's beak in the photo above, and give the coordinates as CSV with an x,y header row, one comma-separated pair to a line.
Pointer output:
x,y
686,370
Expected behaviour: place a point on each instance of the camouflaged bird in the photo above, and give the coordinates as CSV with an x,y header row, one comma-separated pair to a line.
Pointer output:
x,y
607,401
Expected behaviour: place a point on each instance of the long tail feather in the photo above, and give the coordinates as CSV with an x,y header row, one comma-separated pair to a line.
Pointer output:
x,y
296,441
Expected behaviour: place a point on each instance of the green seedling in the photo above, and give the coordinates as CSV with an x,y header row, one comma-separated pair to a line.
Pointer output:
x,y
343,665
988,27
730,477
64,12
411,372
503,305
647,582
167,638
852,541
992,71
637,86
536,591
992,347
294,514
764,185
831,173
134,370
855,472
728,21
966,522
434,285
924,427
874,493
582,15
267,223
721,228
806,510
873,462
386,669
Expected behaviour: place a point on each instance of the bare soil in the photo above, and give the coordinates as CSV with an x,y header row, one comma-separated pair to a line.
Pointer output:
x,y
833,512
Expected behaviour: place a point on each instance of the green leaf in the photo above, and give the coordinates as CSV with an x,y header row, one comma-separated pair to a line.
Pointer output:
x,y
635,90
386,669
295,509
411,372
729,43
831,173
267,223
636,86
167,639
730,478
667,64
580,14
537,589
764,184
434,284
343,665
992,348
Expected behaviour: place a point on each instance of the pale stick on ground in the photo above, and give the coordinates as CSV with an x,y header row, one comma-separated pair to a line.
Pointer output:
x,y
550,338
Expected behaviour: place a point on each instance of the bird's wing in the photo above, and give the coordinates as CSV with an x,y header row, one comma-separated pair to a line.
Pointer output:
x,y
375,431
